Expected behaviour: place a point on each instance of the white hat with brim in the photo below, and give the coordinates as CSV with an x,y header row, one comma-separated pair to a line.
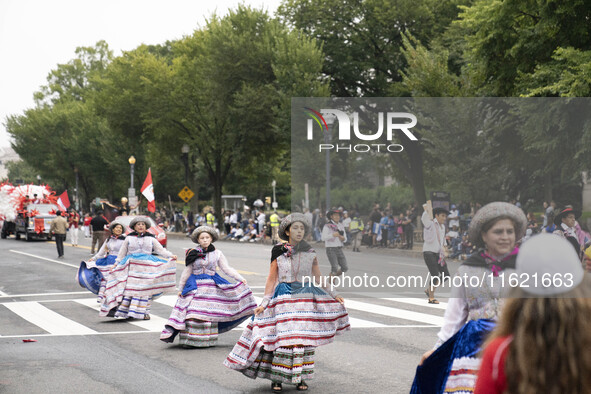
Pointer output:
x,y
492,211
204,229
138,219
289,220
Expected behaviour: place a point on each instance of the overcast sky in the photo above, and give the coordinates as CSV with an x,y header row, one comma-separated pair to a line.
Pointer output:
x,y
36,35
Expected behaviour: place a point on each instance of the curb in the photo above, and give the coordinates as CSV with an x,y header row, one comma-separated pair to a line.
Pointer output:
x,y
416,252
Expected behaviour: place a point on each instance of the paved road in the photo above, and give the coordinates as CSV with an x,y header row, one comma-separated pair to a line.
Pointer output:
x,y
76,351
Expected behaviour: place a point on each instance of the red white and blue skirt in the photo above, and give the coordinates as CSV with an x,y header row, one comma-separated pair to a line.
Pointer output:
x,y
279,343
209,305
134,283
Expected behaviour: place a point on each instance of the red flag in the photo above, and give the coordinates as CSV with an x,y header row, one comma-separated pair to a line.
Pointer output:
x,y
148,191
63,201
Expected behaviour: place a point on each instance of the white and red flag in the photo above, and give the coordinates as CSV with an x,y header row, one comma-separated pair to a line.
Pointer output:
x,y
148,191
63,201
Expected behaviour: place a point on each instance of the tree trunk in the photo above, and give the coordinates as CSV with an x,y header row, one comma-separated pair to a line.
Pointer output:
x,y
217,200
416,167
548,188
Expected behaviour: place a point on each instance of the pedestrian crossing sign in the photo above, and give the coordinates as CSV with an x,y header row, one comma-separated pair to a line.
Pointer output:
x,y
186,194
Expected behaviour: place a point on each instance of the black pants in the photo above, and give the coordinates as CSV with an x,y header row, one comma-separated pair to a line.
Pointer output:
x,y
59,242
409,235
384,241
435,269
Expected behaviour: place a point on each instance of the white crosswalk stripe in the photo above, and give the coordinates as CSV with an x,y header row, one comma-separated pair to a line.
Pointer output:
x,y
48,320
394,312
155,324
56,324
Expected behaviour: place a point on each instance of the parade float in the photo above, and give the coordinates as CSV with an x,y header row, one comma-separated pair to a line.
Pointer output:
x,y
27,210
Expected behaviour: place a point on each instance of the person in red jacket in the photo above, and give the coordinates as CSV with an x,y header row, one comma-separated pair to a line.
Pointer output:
x,y
542,340
86,225
73,221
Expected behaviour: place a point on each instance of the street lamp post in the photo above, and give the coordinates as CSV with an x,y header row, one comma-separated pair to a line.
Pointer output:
x,y
131,192
77,204
39,180
330,120
274,205
185,151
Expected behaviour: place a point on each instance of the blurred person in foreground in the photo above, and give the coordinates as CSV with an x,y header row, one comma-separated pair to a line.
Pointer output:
x,y
477,297
541,343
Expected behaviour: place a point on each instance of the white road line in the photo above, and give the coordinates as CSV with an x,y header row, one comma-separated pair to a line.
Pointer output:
x,y
394,312
94,333
419,302
43,258
4,295
169,300
48,320
155,324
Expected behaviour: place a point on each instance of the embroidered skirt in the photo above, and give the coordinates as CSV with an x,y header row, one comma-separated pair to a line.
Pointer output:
x,y
134,283
288,365
198,334
104,266
210,298
453,367
298,318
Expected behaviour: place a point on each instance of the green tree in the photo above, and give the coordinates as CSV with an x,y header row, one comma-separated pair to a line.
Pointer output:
x,y
506,39
228,94
57,140
362,41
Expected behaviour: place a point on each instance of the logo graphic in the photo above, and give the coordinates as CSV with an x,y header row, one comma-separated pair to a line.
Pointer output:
x,y
395,121
317,117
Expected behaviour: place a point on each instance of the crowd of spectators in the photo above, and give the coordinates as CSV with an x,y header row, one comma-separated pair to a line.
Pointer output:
x,y
386,227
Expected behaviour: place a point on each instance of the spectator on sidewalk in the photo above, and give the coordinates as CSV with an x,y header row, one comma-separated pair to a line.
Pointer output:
x,y
391,224
238,234
346,224
274,220
231,233
318,226
374,219
384,229
356,230
262,221
409,229
454,240
250,235
531,223
454,217
548,213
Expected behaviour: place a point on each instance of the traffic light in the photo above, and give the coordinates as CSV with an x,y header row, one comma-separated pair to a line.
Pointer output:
x,y
268,200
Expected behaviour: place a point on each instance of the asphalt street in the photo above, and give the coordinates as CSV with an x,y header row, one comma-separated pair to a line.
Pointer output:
x,y
77,351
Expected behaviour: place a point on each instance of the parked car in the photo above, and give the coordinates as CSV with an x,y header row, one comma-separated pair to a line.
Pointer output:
x,y
154,229
35,221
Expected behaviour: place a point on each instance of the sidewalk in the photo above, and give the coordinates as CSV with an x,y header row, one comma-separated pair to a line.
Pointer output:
x,y
416,252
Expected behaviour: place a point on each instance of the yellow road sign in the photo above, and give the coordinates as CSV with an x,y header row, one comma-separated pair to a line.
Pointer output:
x,y
186,194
